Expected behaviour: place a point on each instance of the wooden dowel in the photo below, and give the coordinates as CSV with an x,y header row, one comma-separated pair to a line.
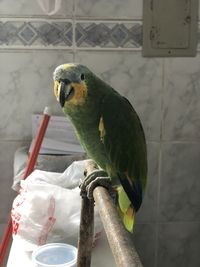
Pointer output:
x,y
86,233
119,239
86,225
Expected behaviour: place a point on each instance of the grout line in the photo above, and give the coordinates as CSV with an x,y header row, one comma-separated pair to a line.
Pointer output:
x,y
167,222
34,17
148,141
181,142
74,42
33,48
160,165
158,203
162,99
109,21
137,49
29,19
74,9
16,140
71,48
69,18
179,222
173,142
73,30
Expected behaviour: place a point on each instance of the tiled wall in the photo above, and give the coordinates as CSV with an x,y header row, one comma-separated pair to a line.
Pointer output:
x,y
107,36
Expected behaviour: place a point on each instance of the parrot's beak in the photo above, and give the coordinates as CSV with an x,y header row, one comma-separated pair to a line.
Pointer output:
x,y
65,92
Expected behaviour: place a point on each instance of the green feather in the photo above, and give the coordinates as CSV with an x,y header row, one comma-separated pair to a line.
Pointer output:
x,y
123,200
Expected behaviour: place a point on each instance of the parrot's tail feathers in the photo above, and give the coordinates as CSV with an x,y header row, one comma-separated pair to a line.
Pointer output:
x,y
126,209
129,219
133,190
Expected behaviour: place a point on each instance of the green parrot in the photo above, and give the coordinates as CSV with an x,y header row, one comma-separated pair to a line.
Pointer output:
x,y
109,130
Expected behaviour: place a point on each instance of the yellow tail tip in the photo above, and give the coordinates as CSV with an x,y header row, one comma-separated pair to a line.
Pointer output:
x,y
129,219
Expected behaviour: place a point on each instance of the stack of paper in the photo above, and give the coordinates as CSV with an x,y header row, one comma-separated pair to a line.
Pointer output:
x,y
59,138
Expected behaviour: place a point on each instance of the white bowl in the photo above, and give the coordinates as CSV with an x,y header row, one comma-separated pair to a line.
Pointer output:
x,y
55,255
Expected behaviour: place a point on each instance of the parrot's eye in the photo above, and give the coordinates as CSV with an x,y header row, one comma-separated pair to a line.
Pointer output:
x,y
82,77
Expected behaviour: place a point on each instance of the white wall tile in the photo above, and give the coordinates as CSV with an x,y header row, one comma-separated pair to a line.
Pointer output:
x,y
182,99
144,238
31,8
179,245
26,87
180,183
148,210
109,9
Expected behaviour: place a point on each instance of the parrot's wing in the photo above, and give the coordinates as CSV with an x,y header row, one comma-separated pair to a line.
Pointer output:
x,y
122,134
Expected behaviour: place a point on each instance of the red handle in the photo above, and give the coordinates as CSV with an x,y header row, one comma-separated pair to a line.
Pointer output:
x,y
29,168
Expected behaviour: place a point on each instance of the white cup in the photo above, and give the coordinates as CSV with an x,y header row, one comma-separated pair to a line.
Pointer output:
x,y
55,255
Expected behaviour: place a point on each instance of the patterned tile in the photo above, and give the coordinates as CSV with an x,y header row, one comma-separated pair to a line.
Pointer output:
x,y
27,34
57,33
36,33
108,35
8,33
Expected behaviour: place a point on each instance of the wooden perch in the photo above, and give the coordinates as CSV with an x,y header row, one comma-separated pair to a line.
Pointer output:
x,y
119,239
86,225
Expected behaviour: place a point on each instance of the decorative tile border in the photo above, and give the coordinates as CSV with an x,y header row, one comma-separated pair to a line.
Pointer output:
x,y
54,34
35,33
108,35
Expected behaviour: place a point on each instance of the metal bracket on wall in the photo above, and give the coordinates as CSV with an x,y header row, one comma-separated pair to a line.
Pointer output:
x,y
170,28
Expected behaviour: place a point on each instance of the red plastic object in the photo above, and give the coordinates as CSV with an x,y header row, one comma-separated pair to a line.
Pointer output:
x,y
29,168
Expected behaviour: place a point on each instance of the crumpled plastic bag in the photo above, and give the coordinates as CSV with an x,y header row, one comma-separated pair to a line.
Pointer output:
x,y
50,7
47,208
49,163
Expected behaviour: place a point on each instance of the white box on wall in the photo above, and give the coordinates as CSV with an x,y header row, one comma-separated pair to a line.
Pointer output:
x,y
170,27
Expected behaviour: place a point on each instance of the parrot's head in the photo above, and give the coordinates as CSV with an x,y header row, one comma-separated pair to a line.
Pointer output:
x,y
72,84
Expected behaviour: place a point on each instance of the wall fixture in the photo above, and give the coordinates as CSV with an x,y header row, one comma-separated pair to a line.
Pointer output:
x,y
170,28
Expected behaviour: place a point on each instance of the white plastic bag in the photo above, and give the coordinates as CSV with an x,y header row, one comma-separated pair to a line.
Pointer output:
x,y
50,7
48,208
49,163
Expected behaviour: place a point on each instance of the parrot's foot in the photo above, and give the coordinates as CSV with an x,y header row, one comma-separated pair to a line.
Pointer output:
x,y
94,179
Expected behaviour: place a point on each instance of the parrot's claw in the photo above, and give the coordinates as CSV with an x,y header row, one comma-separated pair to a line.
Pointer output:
x,y
94,179
99,181
92,176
